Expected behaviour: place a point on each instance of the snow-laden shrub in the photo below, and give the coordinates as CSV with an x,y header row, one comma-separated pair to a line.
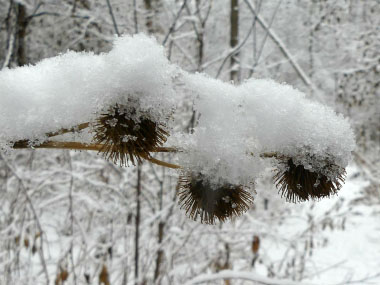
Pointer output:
x,y
121,104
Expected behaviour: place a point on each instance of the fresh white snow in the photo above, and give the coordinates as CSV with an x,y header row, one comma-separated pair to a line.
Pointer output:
x,y
236,123
72,88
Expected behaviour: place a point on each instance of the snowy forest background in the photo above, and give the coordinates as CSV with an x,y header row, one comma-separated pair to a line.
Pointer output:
x,y
70,217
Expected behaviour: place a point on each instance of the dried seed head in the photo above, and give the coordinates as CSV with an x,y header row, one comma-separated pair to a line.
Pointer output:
x,y
26,243
255,244
199,198
64,275
104,276
61,277
298,184
127,136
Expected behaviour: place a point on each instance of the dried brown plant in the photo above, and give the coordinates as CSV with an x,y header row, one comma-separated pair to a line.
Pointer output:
x,y
298,184
209,202
126,136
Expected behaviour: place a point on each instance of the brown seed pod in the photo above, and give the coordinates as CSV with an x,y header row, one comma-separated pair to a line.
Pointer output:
x,y
17,240
61,277
64,275
199,198
26,242
104,276
298,184
127,136
255,244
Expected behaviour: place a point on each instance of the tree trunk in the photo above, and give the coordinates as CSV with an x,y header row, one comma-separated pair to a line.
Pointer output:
x,y
149,16
137,233
159,252
22,23
234,38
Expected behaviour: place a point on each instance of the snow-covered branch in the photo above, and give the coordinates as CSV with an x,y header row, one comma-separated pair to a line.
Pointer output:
x,y
120,104
241,275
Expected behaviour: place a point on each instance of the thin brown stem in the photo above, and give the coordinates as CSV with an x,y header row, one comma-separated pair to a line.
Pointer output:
x,y
59,145
78,146
162,163
166,149
96,147
70,130
99,147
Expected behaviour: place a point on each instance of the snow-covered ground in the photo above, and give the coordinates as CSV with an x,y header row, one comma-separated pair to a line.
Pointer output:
x,y
336,239
352,252
326,242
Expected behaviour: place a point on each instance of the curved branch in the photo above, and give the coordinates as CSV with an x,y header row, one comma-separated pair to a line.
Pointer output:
x,y
248,276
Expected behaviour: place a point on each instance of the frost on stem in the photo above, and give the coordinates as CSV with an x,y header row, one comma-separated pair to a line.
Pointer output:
x,y
127,135
208,201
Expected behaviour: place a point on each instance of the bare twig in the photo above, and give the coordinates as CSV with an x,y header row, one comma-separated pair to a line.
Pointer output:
x,y
254,35
362,280
248,276
137,231
135,16
9,51
282,48
71,210
172,27
267,32
112,17
11,35
235,50
234,39
29,200
39,5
